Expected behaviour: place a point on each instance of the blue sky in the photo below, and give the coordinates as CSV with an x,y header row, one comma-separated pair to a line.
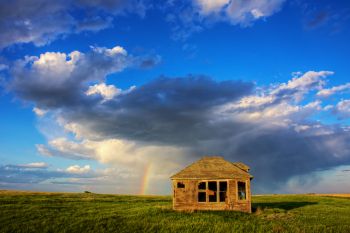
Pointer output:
x,y
112,96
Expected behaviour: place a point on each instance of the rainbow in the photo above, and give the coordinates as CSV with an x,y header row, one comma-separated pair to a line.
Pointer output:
x,y
145,179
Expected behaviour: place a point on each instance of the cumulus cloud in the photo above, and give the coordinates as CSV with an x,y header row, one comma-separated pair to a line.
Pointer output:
x,y
342,109
76,169
106,91
280,101
324,93
57,79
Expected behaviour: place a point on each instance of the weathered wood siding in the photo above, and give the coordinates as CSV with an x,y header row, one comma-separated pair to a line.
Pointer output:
x,y
186,198
235,203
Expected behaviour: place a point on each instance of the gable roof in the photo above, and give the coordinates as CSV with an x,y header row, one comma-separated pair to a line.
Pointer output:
x,y
213,167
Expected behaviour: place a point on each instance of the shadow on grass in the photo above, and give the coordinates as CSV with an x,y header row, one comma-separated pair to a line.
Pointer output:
x,y
281,205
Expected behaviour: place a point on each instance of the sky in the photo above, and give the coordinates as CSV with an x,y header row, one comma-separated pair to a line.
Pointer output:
x,y
115,96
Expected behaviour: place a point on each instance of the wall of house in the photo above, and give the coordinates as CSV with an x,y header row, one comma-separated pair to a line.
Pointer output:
x,y
186,198
233,202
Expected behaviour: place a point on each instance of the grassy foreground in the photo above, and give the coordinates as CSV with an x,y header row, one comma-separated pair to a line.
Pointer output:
x,y
63,212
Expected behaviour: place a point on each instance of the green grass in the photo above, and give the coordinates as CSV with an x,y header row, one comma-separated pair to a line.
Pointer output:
x,y
87,212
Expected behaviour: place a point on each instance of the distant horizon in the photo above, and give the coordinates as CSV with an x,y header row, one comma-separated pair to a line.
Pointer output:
x,y
116,96
170,195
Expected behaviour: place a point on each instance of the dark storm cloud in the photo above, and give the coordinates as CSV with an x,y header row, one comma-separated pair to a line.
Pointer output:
x,y
166,110
277,154
182,112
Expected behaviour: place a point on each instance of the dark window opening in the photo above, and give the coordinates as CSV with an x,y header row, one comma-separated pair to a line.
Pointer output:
x,y
202,197
202,186
212,190
222,191
241,191
180,185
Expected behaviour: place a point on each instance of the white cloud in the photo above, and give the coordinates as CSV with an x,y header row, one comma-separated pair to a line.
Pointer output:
x,y
113,150
334,90
43,150
71,149
39,112
300,128
257,13
299,86
342,109
116,152
210,6
106,91
76,169
310,79
34,165
280,102
55,65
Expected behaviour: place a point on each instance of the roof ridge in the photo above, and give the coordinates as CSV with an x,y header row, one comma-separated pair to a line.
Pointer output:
x,y
211,167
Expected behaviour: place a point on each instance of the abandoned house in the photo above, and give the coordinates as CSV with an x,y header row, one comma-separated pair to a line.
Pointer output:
x,y
212,183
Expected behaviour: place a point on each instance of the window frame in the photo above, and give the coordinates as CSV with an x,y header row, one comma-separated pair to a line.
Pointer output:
x,y
219,191
246,191
206,191
202,191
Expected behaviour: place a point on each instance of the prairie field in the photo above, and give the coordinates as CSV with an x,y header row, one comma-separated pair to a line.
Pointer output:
x,y
88,212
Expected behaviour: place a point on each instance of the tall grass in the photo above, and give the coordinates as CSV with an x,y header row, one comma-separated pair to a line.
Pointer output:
x,y
87,212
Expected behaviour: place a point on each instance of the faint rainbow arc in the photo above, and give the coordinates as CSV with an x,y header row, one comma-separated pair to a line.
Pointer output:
x,y
145,179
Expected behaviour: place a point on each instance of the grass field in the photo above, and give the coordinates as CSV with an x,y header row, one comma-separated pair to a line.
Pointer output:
x,y
67,212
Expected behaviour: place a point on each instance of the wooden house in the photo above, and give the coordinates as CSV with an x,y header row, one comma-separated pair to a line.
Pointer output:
x,y
212,183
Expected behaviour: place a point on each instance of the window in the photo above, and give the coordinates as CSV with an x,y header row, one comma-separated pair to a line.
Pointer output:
x,y
202,186
202,189
180,185
222,191
202,197
212,191
241,190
